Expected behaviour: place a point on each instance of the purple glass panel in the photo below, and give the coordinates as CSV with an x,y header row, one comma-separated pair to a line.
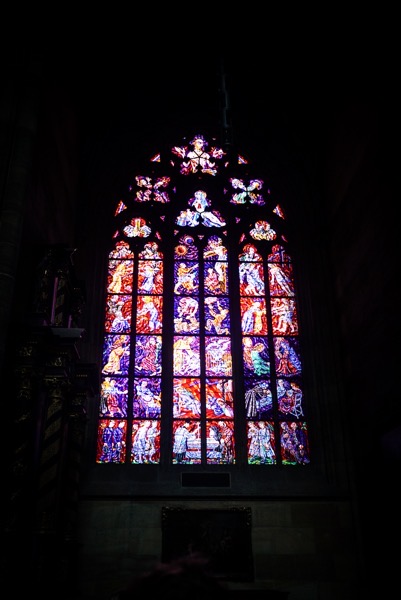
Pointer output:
x,y
116,354
258,399
294,443
148,360
256,356
289,396
186,249
147,398
111,441
186,315
286,356
217,315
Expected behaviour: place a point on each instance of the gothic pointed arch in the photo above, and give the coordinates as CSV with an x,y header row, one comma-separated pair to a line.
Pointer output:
x,y
201,360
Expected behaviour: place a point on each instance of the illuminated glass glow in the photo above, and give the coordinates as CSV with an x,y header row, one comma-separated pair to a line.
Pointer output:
x,y
201,351
149,191
248,193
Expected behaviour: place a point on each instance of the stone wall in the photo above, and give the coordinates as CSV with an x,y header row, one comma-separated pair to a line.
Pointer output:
x,y
305,549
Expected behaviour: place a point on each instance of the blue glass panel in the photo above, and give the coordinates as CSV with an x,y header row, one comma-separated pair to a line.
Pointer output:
x,y
294,443
258,399
186,442
145,442
111,444
261,443
186,315
147,398
256,355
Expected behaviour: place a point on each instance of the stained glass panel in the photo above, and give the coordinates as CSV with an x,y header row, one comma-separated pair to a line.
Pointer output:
x,y
201,345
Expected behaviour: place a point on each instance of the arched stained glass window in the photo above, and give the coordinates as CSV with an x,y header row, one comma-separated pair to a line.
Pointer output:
x,y
201,351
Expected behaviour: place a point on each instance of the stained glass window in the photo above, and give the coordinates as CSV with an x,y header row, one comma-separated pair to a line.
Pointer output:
x,y
201,361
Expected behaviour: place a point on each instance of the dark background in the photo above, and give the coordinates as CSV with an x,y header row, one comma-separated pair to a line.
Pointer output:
x,y
316,110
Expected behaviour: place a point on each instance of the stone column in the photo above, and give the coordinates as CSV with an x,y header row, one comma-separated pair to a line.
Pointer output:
x,y
19,104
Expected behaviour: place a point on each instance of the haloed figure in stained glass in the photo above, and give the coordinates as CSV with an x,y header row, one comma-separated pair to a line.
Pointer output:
x,y
201,325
